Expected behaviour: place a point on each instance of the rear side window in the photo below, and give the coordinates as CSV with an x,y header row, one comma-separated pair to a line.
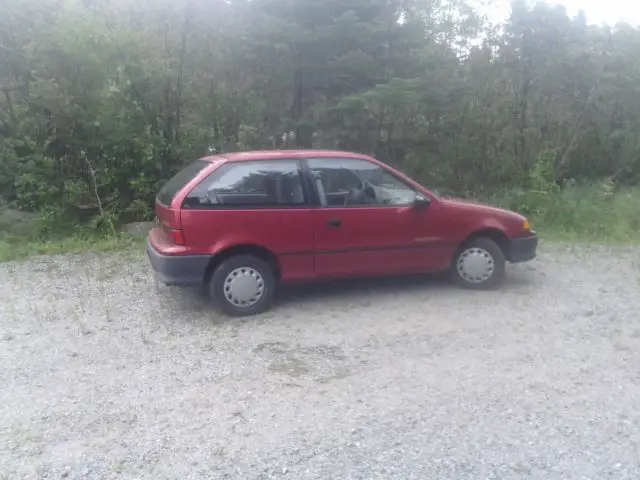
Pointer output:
x,y
261,184
179,180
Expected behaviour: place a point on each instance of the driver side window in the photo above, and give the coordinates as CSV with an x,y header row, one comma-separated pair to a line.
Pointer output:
x,y
353,182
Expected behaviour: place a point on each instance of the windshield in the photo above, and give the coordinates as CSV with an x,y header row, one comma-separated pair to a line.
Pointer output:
x,y
170,189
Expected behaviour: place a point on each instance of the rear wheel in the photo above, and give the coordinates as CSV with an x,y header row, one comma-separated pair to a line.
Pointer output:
x,y
479,264
243,285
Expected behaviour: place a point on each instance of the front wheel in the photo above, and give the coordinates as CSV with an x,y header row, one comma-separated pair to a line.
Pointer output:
x,y
243,285
479,264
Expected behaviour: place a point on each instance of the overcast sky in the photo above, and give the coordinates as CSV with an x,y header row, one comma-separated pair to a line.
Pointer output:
x,y
597,11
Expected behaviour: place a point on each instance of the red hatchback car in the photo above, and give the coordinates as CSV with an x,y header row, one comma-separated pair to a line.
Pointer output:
x,y
244,223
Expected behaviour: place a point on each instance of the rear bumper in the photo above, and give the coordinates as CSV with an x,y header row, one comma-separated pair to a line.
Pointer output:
x,y
522,249
178,270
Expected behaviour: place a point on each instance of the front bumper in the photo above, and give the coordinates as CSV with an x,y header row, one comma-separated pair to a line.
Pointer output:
x,y
522,249
178,270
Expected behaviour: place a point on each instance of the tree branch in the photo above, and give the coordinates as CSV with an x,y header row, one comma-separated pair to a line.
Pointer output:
x,y
92,173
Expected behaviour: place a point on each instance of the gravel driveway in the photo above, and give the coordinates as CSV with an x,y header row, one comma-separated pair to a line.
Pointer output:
x,y
102,377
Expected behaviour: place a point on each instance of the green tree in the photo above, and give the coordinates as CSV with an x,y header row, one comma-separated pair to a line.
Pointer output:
x,y
102,100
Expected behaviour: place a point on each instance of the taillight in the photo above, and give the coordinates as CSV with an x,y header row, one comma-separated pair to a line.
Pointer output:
x,y
176,236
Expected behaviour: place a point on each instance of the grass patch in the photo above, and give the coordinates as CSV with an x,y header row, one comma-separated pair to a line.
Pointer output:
x,y
14,249
23,235
596,213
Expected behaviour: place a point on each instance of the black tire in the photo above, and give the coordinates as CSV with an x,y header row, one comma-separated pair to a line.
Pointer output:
x,y
218,291
498,262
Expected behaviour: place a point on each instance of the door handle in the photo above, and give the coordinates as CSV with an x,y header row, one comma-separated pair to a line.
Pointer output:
x,y
334,223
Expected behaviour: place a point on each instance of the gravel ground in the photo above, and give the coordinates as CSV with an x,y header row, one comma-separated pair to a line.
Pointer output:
x,y
104,377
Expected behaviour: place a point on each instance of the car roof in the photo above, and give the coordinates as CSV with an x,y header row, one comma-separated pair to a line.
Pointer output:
x,y
278,154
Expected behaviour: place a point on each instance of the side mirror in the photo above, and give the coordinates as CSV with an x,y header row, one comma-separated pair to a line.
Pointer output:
x,y
421,201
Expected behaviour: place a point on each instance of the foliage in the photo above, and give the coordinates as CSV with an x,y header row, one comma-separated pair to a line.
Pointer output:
x,y
102,101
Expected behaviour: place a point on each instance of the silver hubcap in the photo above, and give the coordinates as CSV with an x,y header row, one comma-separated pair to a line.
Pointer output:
x,y
243,287
475,265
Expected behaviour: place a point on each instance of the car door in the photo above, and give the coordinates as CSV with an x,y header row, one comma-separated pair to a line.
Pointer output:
x,y
367,223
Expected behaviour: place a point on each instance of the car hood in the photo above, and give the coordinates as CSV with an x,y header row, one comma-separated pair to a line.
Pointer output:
x,y
473,205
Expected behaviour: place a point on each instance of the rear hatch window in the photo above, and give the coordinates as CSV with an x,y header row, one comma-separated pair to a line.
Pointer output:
x,y
179,180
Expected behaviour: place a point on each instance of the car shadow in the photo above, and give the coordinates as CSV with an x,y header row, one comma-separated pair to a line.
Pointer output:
x,y
193,299
353,289
518,281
